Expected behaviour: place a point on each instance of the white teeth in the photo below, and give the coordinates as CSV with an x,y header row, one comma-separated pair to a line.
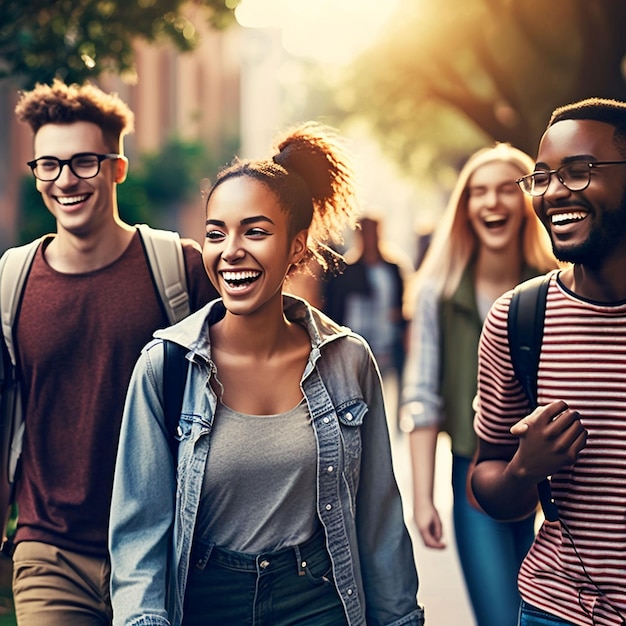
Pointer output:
x,y
495,222
572,216
495,218
236,276
67,200
240,280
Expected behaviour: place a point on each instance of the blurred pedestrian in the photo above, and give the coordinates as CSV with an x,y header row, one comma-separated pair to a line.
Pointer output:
x,y
282,506
367,296
487,241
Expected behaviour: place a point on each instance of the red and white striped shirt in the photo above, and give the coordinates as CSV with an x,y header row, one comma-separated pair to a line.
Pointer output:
x,y
583,362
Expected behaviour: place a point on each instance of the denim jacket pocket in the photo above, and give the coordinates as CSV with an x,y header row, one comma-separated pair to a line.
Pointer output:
x,y
351,416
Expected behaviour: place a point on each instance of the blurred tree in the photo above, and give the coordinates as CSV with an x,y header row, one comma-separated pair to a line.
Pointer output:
x,y
501,65
159,182
35,219
77,40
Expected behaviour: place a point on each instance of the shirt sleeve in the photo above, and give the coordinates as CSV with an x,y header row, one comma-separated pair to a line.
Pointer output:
x,y
390,579
500,400
142,506
421,401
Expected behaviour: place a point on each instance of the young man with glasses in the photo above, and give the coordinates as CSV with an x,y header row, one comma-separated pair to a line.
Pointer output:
x,y
574,572
88,306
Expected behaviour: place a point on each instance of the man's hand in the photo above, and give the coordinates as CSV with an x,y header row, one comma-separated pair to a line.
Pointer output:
x,y
550,438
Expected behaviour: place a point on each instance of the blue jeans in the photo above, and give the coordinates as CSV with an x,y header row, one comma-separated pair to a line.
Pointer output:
x,y
532,616
490,552
289,587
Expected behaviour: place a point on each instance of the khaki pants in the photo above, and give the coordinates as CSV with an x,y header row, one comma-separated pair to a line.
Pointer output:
x,y
57,587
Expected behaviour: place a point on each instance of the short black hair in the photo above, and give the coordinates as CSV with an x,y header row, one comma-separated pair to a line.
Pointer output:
x,y
605,110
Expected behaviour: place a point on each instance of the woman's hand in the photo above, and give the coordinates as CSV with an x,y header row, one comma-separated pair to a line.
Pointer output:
x,y
428,523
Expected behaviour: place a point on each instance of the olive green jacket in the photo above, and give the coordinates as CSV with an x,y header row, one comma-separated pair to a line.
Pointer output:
x,y
460,327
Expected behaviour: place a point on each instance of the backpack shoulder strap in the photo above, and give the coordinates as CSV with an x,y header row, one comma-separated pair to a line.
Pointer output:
x,y
175,367
525,330
167,263
14,268
15,265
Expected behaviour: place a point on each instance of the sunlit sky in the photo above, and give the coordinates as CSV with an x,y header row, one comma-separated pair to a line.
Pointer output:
x,y
323,30
333,33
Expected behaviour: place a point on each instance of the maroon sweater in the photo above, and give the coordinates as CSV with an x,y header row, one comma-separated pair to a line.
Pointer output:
x,y
78,337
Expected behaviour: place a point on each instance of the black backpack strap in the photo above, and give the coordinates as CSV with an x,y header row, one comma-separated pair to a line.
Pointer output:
x,y
175,367
525,330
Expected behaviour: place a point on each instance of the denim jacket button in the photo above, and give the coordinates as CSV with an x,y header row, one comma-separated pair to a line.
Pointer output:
x,y
330,468
326,420
328,507
349,416
349,592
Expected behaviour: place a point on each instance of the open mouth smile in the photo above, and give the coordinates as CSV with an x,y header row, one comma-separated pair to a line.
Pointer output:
x,y
567,218
495,221
240,280
71,200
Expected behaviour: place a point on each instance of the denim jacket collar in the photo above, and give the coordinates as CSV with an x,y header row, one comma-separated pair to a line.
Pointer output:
x,y
192,332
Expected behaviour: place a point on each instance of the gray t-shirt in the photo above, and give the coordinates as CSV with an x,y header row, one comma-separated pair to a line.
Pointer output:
x,y
260,488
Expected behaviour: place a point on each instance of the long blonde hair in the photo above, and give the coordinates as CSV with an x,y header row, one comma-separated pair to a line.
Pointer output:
x,y
454,241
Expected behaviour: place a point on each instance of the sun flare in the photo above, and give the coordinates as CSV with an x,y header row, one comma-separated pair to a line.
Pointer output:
x,y
329,31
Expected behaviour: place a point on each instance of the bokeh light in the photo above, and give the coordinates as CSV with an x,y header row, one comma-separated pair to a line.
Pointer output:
x,y
328,31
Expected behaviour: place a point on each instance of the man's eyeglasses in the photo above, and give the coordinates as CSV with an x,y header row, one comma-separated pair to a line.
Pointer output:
x,y
82,165
574,176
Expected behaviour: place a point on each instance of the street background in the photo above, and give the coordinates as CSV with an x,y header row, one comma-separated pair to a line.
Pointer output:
x,y
441,588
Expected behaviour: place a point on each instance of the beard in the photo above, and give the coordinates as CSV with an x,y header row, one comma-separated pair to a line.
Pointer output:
x,y
602,240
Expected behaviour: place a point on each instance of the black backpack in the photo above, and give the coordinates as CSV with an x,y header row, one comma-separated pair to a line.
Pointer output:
x,y
525,332
175,367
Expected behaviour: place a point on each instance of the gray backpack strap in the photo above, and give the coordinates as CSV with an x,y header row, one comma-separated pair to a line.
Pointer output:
x,y
15,265
14,268
167,263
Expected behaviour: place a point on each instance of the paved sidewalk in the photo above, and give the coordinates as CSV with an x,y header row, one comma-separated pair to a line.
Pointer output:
x,y
442,590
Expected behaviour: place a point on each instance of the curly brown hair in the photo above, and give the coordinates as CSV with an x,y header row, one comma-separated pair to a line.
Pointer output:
x,y
314,182
63,104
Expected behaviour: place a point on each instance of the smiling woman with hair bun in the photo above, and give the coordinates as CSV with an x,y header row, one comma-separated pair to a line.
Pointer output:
x,y
282,506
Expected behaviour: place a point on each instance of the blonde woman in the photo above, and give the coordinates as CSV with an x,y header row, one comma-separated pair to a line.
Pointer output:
x,y
488,241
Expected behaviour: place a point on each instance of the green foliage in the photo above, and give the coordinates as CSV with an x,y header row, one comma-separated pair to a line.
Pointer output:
x,y
163,180
35,219
174,171
449,76
78,40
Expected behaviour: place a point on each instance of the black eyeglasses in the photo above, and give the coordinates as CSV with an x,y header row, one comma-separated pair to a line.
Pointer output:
x,y
574,176
82,165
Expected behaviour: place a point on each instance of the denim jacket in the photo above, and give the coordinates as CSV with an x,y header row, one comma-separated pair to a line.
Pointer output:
x,y
155,504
